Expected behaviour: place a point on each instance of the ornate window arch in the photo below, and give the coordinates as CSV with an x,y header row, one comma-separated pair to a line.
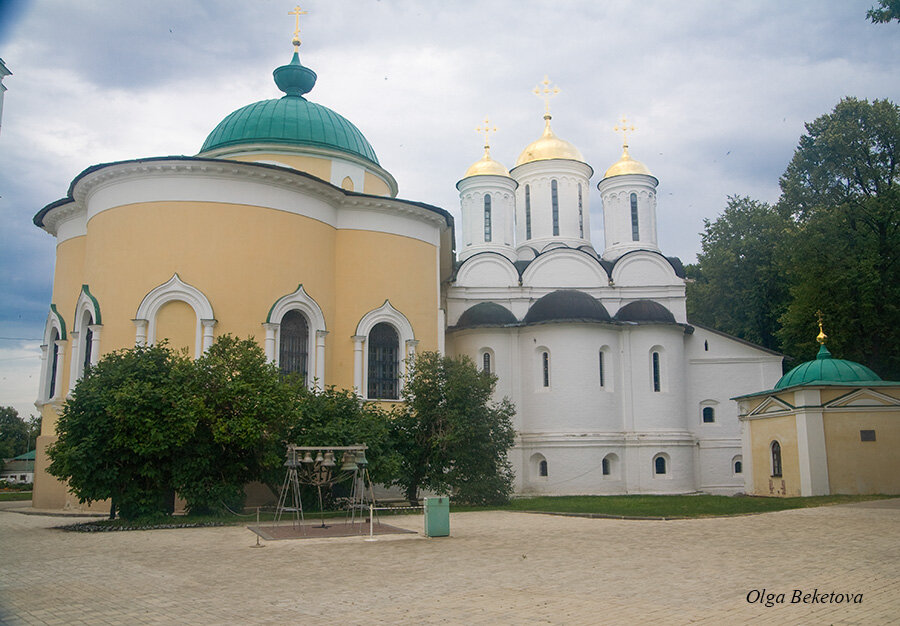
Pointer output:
x,y
85,335
53,351
306,306
175,289
406,340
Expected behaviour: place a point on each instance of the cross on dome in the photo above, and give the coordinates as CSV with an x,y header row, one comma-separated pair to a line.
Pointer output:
x,y
624,129
297,12
546,93
821,337
487,130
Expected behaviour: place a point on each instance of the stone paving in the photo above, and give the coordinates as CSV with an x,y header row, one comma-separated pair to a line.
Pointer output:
x,y
496,568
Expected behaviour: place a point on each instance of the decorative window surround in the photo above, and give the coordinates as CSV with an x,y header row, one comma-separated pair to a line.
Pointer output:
x,y
87,318
52,344
388,314
301,301
171,290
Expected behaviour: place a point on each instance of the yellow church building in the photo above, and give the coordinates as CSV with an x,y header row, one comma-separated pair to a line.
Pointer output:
x,y
829,426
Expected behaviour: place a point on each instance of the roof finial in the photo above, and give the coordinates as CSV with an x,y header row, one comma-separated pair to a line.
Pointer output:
x,y
546,93
297,12
821,337
486,129
624,129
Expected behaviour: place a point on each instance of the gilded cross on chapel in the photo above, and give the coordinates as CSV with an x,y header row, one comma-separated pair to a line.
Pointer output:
x,y
821,336
297,12
624,128
546,92
487,130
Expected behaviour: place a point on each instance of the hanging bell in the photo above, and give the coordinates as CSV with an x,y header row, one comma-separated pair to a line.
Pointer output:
x,y
329,460
361,458
291,458
348,463
307,458
319,458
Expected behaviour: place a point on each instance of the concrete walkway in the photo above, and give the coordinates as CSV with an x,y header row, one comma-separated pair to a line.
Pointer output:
x,y
496,568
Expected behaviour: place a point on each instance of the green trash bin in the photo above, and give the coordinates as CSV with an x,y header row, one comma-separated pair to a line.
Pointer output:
x,y
437,517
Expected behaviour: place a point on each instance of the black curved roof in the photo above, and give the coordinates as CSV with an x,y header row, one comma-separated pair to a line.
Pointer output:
x,y
486,314
645,311
566,304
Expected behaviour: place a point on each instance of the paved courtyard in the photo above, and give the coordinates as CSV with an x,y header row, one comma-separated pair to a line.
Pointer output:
x,y
496,568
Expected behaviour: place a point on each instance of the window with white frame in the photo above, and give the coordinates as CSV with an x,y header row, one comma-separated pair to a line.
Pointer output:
x,y
293,349
661,465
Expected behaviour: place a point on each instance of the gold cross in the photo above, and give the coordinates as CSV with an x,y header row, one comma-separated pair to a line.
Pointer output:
x,y
822,336
546,93
486,129
297,12
624,129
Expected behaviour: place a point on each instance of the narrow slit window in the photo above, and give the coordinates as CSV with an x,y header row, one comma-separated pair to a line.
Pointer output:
x,y
54,363
635,231
580,214
527,212
656,378
554,201
542,469
88,346
486,361
605,467
545,361
602,373
487,218
776,459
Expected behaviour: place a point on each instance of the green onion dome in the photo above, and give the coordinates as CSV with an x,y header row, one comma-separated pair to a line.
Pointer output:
x,y
291,120
826,370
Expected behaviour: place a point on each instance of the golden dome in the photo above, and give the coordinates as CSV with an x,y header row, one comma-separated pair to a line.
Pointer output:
x,y
486,166
549,146
626,165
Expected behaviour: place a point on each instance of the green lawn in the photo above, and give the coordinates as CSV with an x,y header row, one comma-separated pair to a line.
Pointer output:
x,y
669,506
14,496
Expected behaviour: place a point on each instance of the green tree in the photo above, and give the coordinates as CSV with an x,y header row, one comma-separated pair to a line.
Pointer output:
x,y
451,435
13,433
245,410
127,422
886,11
842,188
738,285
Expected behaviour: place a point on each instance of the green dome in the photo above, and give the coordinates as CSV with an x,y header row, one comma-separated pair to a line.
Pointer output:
x,y
826,370
291,120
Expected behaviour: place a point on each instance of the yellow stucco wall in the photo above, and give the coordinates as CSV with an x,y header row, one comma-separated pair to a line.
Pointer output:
x,y
856,466
375,186
762,433
243,258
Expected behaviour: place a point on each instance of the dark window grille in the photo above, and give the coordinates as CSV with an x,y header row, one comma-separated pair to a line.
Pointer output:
x,y
527,212
554,201
580,214
542,469
486,361
867,435
738,467
776,459
487,217
659,465
88,346
605,464
54,363
384,362
656,378
546,366
602,373
635,233
709,415
294,350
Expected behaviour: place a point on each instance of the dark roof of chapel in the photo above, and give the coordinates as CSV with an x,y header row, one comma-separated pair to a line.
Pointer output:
x,y
486,314
645,311
567,304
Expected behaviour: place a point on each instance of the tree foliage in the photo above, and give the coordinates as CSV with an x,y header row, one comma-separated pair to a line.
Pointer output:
x,y
123,429
15,433
886,11
451,435
738,283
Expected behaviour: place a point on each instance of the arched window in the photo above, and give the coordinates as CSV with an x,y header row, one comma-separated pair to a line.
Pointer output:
x,y
554,202
737,465
709,415
659,465
487,218
605,467
384,362
609,465
545,368
776,459
486,362
580,214
542,469
657,381
88,346
706,346
527,212
293,353
54,363
635,232
601,370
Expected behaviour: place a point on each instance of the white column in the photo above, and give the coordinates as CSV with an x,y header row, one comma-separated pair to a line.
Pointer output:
x,y
208,326
747,454
140,335
74,364
60,359
271,332
42,391
359,342
95,342
320,360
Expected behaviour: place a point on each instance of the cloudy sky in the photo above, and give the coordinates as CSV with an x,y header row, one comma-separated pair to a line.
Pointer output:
x,y
718,91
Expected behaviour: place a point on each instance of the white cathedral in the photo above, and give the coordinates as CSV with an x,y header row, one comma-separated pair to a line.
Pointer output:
x,y
616,392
